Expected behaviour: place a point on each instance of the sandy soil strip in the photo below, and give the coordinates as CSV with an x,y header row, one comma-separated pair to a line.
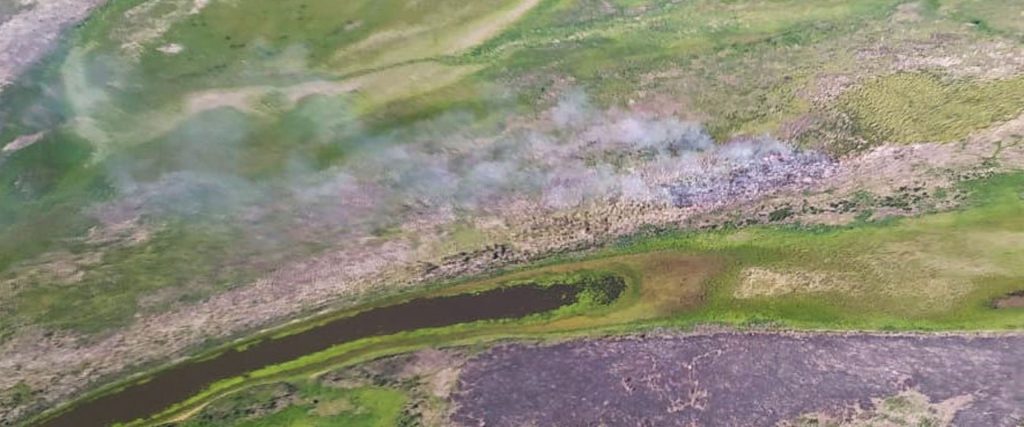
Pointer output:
x,y
493,25
21,142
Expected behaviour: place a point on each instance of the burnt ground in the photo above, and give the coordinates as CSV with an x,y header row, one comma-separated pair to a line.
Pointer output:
x,y
31,29
736,379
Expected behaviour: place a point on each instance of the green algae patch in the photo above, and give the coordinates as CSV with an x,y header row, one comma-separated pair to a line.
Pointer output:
x,y
919,107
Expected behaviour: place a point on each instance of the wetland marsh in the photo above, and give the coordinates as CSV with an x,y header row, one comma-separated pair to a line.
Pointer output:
x,y
192,190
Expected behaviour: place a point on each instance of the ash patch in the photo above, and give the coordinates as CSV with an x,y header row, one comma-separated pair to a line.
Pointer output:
x,y
30,29
750,171
732,379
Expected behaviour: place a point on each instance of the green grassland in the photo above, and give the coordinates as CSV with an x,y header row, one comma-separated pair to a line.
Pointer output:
x,y
740,66
113,102
988,16
316,405
114,106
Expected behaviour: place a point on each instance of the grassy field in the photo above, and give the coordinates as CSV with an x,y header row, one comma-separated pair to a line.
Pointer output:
x,y
255,96
120,103
911,108
310,405
988,16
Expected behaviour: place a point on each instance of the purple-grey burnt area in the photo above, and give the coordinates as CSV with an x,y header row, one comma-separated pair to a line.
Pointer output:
x,y
30,29
735,379
774,170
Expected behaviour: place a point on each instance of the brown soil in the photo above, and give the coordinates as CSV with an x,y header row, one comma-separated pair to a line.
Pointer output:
x,y
1011,300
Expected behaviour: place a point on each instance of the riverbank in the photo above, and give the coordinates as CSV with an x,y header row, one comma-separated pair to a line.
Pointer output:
x,y
168,387
748,278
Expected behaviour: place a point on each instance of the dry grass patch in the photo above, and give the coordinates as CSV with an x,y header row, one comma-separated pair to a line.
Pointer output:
x,y
764,282
439,31
908,408
913,107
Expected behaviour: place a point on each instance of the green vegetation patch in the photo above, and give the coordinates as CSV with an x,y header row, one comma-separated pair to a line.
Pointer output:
x,y
741,64
935,272
1001,17
110,294
917,107
304,403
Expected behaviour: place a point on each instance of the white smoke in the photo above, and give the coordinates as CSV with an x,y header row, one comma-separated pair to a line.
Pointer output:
x,y
445,166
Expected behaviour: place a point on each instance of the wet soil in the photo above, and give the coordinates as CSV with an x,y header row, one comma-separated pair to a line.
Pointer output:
x,y
739,379
180,382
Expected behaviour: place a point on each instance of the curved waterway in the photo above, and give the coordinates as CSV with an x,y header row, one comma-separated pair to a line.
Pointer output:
x,y
180,382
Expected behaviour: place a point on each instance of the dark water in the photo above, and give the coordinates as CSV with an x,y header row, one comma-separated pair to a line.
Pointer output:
x,y
181,382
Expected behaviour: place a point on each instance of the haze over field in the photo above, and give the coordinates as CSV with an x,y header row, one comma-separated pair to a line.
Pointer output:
x,y
178,174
